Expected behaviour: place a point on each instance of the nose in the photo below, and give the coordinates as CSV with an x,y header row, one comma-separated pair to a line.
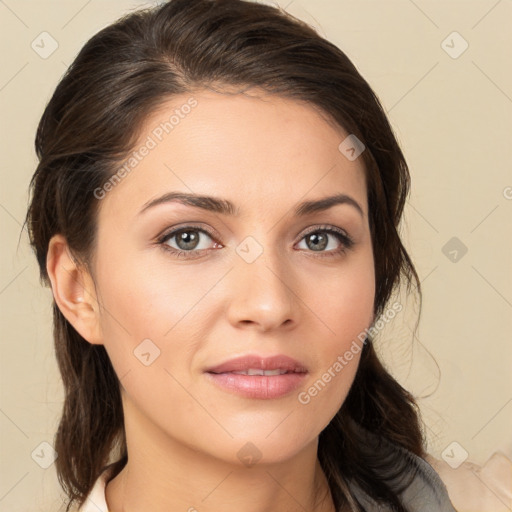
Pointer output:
x,y
261,294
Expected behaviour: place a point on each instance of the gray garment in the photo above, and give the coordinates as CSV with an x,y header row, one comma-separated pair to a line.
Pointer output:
x,y
426,493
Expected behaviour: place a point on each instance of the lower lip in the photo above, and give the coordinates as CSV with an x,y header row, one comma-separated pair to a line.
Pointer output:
x,y
258,386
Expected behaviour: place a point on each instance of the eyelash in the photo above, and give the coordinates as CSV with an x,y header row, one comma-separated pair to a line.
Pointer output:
x,y
346,241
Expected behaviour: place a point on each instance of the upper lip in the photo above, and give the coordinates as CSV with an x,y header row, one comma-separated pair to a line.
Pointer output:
x,y
276,362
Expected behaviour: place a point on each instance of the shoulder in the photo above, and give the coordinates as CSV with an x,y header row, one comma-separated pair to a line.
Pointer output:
x,y
425,490
414,481
475,488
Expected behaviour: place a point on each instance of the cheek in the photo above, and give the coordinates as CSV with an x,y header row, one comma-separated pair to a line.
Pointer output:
x,y
135,309
344,301
141,298
153,313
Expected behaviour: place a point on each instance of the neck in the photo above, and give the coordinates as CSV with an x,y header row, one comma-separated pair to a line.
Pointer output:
x,y
267,491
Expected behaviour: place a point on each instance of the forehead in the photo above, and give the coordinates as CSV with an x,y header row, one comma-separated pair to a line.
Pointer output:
x,y
252,148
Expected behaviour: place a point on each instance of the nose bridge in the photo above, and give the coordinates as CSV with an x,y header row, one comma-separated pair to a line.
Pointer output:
x,y
262,292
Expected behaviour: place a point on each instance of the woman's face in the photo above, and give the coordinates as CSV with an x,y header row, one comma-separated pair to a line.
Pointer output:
x,y
262,280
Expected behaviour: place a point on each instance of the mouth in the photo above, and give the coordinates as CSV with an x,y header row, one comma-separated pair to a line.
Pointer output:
x,y
259,377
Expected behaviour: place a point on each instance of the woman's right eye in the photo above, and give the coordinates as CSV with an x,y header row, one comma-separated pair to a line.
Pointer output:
x,y
187,239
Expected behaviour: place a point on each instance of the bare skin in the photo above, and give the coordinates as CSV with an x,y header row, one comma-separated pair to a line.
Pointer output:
x,y
184,433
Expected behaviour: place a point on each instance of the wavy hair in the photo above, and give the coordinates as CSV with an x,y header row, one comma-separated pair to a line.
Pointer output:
x,y
93,120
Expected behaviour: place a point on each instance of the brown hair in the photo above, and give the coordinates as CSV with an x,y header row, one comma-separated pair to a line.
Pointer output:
x,y
93,120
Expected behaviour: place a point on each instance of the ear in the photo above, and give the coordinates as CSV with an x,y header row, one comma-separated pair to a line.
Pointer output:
x,y
73,290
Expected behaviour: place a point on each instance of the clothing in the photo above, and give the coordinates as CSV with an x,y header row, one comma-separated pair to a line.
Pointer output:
x,y
474,487
96,500
426,493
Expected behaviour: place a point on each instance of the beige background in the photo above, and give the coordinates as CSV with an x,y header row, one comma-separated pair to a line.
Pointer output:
x,y
453,118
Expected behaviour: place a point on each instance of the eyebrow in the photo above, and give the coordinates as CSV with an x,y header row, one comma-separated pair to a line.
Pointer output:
x,y
225,207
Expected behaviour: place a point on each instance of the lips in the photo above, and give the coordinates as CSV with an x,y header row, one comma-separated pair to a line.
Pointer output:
x,y
258,377
258,365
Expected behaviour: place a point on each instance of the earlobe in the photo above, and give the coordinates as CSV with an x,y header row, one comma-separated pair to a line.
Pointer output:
x,y
73,290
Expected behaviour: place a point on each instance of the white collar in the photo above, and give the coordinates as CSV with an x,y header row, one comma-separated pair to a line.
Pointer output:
x,y
96,500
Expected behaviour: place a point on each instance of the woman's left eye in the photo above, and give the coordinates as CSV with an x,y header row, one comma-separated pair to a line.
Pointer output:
x,y
189,240
319,239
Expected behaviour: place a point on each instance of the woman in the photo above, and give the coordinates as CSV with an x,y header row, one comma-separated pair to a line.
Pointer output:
x,y
216,209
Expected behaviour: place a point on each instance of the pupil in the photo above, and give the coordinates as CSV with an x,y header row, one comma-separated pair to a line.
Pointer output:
x,y
188,237
318,241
